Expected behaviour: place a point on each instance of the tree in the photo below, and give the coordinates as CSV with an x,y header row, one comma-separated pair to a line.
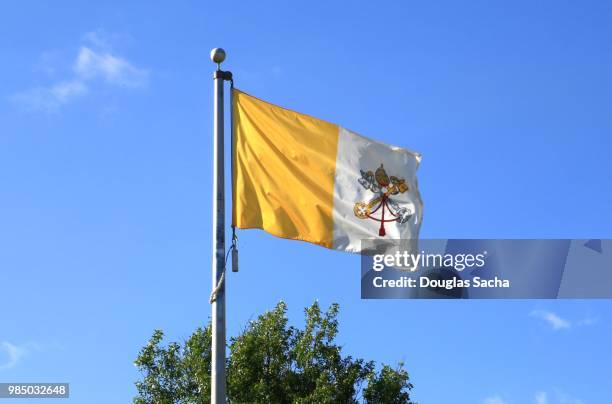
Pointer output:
x,y
269,362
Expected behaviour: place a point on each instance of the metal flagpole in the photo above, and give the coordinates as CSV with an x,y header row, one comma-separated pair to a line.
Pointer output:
x,y
217,298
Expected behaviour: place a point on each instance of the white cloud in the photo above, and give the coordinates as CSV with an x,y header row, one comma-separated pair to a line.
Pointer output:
x,y
68,90
559,323
93,63
50,98
13,354
494,400
555,396
97,38
541,397
552,319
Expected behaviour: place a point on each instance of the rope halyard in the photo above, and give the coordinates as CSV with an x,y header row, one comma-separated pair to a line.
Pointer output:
x,y
215,291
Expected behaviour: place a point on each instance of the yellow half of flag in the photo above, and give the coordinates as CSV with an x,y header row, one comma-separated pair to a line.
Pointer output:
x,y
284,171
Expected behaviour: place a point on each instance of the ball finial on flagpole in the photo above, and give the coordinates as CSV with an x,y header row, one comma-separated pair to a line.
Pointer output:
x,y
217,55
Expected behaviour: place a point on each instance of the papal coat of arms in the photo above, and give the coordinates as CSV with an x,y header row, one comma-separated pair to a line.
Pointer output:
x,y
382,207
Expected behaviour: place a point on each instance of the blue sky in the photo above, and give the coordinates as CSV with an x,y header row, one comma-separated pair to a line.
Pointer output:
x,y
105,166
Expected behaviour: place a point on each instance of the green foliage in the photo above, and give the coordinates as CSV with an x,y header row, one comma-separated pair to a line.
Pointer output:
x,y
269,362
175,374
388,386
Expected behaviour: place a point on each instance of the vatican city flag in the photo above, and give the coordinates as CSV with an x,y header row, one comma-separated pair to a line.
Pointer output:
x,y
303,178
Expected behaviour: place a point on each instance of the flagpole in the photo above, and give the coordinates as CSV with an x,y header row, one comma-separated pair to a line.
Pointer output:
x,y
218,381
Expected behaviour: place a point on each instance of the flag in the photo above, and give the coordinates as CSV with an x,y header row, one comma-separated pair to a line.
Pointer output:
x,y
302,178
